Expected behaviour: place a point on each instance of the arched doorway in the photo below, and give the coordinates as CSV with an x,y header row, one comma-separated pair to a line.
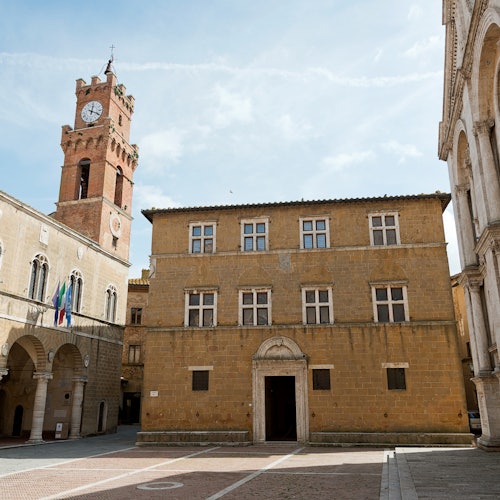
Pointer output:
x,y
279,373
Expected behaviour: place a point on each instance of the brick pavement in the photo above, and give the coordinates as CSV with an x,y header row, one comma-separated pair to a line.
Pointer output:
x,y
118,469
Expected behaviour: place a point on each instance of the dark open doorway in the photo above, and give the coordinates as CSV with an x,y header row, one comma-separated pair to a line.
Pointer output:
x,y
281,421
18,421
131,408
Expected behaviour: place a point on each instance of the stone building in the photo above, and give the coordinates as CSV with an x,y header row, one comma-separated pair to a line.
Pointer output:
x,y
464,344
469,140
63,279
134,353
322,321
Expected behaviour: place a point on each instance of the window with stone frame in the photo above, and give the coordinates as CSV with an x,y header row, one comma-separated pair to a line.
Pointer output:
x,y
76,283
384,229
317,305
254,235
314,232
38,278
255,307
134,354
136,315
110,304
201,308
390,303
202,237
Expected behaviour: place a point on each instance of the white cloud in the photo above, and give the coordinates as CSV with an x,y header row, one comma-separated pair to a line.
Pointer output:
x,y
161,149
152,197
402,150
293,130
415,12
231,107
341,161
422,46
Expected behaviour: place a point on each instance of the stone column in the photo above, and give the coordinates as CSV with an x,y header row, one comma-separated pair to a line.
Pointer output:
x,y
39,406
490,176
76,409
479,330
488,397
466,223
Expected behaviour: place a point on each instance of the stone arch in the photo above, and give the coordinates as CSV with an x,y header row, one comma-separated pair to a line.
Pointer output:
x,y
35,350
486,56
279,347
275,357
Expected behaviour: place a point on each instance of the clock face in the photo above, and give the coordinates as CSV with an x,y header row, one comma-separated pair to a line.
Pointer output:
x,y
115,225
91,111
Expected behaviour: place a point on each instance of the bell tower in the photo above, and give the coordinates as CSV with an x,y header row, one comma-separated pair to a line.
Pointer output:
x,y
95,196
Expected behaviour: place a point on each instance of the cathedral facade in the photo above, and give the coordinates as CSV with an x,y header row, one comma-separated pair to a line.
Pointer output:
x,y
63,280
469,141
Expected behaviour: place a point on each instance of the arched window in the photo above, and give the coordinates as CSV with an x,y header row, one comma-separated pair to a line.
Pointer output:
x,y
119,187
38,278
110,306
84,169
76,282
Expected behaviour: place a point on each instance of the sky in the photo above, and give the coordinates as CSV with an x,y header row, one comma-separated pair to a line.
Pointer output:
x,y
236,101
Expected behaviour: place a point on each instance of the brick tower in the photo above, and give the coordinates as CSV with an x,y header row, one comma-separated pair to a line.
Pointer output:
x,y
95,196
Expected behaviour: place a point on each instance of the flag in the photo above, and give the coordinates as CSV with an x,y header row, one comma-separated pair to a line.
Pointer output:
x,y
62,302
55,301
69,292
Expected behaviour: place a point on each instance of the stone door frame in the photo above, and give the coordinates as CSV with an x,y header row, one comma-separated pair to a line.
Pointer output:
x,y
279,356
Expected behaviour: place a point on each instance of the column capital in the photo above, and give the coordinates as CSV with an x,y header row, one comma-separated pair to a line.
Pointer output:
x,y
483,127
82,379
43,376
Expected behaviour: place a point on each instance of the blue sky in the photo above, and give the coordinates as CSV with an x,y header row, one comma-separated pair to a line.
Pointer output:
x,y
237,101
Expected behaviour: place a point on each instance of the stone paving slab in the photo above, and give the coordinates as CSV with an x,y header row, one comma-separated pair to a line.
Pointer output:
x,y
453,473
208,473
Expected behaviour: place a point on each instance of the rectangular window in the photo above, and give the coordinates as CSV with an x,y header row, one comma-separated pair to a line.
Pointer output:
x,y
390,303
314,233
396,379
254,235
200,380
321,379
202,237
136,315
201,308
134,354
255,307
384,229
317,306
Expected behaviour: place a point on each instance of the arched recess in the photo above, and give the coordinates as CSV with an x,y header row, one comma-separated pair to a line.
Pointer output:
x,y
25,357
484,65
67,365
279,356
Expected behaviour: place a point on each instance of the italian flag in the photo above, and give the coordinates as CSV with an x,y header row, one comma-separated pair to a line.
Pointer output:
x,y
62,302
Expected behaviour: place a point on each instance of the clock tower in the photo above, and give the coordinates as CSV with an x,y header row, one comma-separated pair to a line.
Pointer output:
x,y
95,196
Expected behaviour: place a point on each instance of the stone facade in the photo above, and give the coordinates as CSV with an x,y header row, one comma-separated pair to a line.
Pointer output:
x,y
328,321
60,373
134,348
469,141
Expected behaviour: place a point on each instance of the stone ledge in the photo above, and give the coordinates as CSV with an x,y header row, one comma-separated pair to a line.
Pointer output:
x,y
193,438
391,438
